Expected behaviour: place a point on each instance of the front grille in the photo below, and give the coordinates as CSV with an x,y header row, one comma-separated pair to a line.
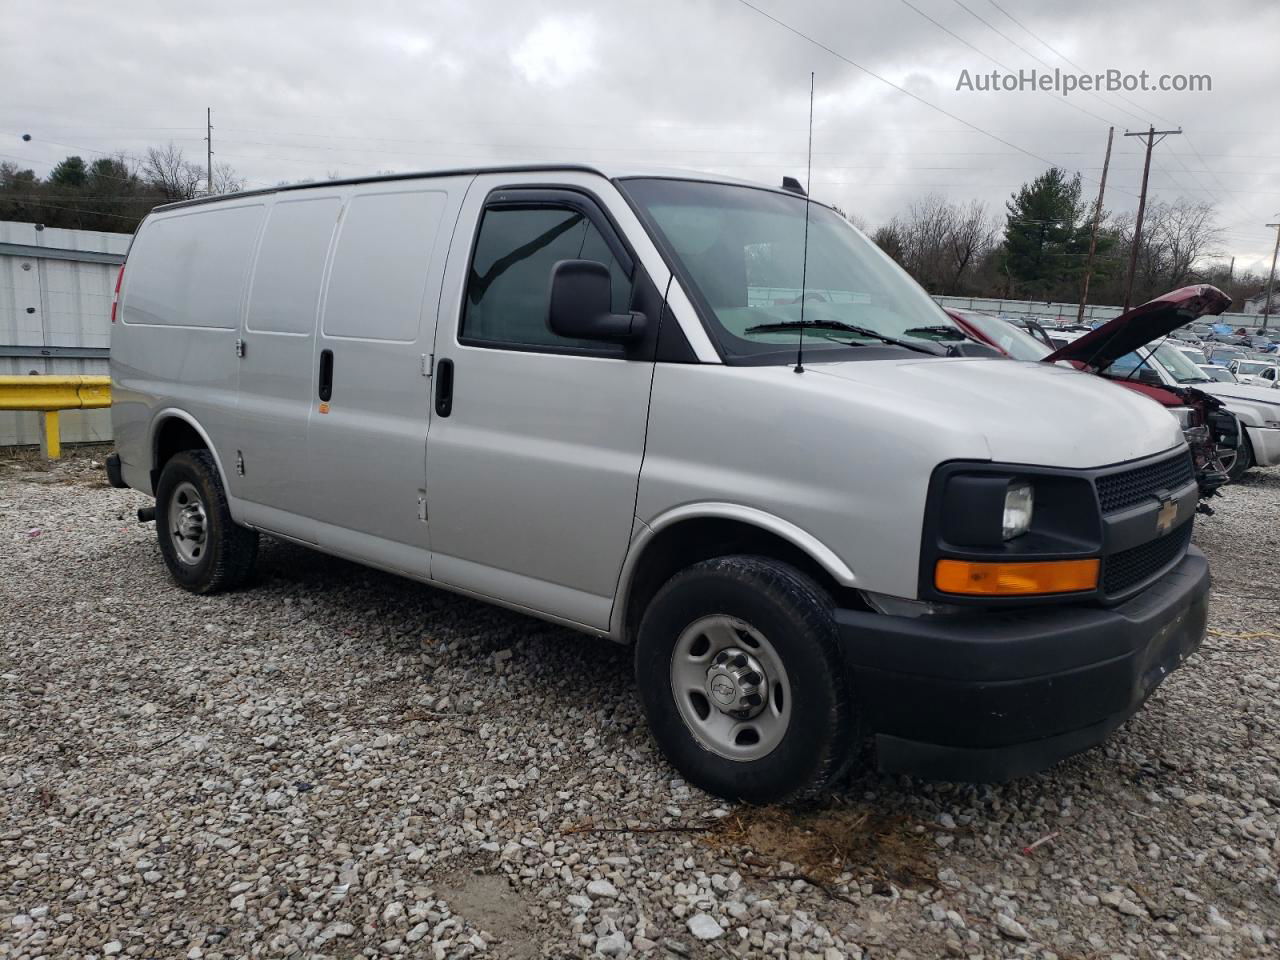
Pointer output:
x,y
1117,491
1128,568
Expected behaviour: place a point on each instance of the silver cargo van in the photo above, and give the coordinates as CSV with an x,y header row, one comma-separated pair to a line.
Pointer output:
x,y
704,418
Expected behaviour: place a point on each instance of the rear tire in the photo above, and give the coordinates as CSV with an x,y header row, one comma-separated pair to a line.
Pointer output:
x,y
738,669
1244,458
205,550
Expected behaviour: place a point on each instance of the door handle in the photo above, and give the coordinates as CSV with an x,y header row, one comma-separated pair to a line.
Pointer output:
x,y
444,387
326,375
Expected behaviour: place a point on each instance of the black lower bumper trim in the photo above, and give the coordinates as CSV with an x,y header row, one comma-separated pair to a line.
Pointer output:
x,y
988,698
114,475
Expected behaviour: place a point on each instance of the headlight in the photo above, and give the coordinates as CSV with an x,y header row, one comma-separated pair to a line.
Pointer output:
x,y
1185,416
1018,502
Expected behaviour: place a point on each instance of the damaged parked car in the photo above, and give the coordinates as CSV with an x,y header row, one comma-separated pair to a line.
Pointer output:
x,y
1211,431
1161,365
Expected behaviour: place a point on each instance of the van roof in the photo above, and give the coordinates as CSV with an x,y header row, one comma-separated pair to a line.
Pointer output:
x,y
608,170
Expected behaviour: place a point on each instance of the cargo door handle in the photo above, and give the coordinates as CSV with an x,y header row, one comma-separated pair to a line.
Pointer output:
x,y
444,388
326,375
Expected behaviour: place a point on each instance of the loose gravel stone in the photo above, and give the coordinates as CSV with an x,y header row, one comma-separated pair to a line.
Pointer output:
x,y
1010,927
602,888
705,928
336,762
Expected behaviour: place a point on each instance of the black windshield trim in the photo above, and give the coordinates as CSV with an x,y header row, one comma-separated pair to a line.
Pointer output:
x,y
821,350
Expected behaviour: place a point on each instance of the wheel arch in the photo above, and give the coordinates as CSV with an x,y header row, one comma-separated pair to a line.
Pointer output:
x,y
174,430
696,532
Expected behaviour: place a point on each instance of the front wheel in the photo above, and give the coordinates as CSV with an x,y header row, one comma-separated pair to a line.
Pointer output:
x,y
204,549
1243,461
739,673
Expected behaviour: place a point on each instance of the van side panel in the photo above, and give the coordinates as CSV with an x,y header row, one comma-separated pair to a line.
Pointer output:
x,y
277,381
377,322
178,320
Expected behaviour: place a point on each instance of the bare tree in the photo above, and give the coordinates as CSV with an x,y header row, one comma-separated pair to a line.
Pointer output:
x,y
940,243
169,171
1176,237
226,180
973,234
890,239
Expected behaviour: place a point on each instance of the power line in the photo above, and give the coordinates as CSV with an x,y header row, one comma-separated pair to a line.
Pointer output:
x,y
1037,59
1035,36
871,73
1004,66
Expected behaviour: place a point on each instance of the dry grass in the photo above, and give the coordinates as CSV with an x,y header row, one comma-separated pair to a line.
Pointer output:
x,y
825,843
74,464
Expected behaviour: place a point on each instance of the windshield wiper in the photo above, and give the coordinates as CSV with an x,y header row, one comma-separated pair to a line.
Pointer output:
x,y
951,332
784,326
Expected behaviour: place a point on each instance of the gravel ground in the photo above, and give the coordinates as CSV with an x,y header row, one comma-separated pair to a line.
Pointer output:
x,y
336,762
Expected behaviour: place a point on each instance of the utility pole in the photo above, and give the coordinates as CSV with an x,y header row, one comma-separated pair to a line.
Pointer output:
x,y
1271,277
208,139
1093,236
1149,137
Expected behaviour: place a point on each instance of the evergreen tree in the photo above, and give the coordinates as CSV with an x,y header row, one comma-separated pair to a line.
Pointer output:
x,y
1046,235
70,172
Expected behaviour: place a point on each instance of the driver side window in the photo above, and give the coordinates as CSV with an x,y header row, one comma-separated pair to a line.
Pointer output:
x,y
510,278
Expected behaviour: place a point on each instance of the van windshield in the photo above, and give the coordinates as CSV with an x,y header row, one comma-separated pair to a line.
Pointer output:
x,y
740,253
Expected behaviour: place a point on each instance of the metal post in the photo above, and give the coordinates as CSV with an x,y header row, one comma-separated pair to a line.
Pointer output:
x,y
1150,139
1093,235
208,137
50,435
1271,277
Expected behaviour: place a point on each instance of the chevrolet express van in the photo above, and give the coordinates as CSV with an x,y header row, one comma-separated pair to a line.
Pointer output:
x,y
704,418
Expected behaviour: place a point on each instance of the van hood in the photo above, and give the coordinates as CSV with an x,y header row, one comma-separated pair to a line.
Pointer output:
x,y
1028,413
1156,318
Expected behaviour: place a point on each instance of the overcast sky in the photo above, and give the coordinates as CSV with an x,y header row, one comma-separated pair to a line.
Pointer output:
x,y
302,88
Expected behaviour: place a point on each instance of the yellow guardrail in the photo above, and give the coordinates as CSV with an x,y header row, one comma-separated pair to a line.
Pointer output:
x,y
48,396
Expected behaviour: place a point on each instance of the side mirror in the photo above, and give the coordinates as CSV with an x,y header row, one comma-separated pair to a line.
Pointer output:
x,y
581,303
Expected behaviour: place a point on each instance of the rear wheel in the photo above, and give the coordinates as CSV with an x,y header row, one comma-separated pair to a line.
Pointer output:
x,y
739,673
204,549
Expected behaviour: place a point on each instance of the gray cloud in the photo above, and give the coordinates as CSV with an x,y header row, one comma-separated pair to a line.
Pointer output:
x,y
304,89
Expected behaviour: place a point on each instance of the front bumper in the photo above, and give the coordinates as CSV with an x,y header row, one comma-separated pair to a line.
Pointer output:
x,y
991,697
1266,445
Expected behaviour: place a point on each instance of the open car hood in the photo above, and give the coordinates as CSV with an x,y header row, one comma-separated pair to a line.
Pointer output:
x,y
1156,318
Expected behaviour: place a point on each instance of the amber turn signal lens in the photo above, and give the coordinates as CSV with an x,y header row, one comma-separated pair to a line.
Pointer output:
x,y
1015,579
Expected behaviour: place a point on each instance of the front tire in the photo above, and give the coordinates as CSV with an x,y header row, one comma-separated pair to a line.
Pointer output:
x,y
205,550
1244,459
738,671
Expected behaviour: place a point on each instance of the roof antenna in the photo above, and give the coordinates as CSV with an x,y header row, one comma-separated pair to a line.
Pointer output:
x,y
804,260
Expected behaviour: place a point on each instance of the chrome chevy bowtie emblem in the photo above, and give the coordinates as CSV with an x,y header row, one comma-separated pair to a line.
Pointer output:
x,y
1166,515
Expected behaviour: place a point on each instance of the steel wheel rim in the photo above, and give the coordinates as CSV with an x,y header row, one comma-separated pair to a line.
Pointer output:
x,y
1227,461
724,722
188,523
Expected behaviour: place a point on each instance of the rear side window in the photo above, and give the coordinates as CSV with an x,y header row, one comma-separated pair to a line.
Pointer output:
x,y
379,276
290,267
510,277
190,270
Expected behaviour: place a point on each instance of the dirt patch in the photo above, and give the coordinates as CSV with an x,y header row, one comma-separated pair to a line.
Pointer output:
x,y
489,902
825,843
